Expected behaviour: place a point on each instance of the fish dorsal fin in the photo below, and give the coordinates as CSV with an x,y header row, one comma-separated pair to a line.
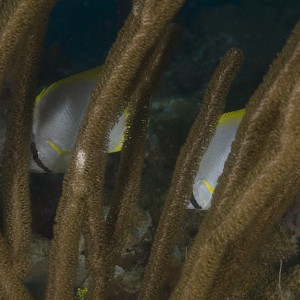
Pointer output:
x,y
85,74
236,115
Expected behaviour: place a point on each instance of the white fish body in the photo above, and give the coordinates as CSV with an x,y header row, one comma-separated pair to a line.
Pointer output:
x,y
59,110
212,163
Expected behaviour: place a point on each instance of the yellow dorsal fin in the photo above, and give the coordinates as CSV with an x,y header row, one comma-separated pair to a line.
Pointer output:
x,y
86,74
231,116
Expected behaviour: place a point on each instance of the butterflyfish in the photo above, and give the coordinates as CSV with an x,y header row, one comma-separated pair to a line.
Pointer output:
x,y
58,112
212,163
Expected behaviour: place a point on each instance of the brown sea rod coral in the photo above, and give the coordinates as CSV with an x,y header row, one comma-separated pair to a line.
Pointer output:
x,y
260,178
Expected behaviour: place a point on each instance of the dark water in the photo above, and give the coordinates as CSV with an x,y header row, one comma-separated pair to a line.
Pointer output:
x,y
81,33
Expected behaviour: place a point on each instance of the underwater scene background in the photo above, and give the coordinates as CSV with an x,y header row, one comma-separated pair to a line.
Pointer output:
x,y
79,36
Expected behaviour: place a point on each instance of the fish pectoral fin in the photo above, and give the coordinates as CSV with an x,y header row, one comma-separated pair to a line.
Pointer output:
x,y
209,187
57,149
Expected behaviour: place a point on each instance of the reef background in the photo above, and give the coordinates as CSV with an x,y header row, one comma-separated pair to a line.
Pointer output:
x,y
81,33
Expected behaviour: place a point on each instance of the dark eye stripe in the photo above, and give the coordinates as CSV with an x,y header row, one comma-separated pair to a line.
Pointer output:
x,y
36,158
195,203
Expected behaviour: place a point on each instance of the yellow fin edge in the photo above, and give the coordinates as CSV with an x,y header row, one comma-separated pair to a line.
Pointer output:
x,y
85,74
231,116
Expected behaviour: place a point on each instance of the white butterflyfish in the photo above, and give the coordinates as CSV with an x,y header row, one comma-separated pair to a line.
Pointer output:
x,y
212,163
58,112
